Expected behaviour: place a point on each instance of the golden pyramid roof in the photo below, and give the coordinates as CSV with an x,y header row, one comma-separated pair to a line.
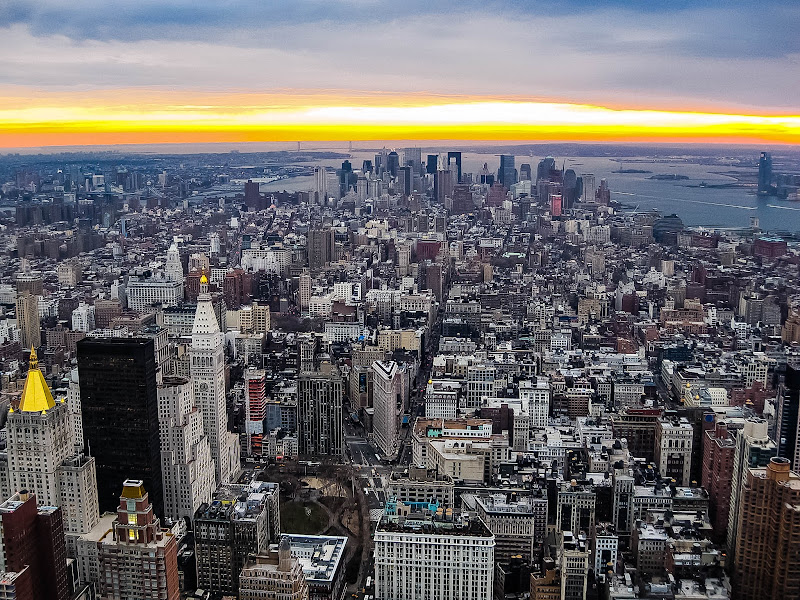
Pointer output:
x,y
36,396
204,279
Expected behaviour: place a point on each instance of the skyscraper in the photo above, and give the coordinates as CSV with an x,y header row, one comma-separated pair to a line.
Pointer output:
x,y
432,164
207,369
589,187
555,204
319,412
255,407
404,180
119,401
754,448
33,560
507,175
392,163
570,189
443,184
454,158
766,564
788,406
462,200
764,173
42,457
140,560
252,195
319,247
496,195
387,394
321,184
304,290
344,177
186,465
545,166
412,157
173,269
27,311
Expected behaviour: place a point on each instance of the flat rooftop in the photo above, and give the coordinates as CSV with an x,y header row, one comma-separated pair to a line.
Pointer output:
x,y
318,555
419,523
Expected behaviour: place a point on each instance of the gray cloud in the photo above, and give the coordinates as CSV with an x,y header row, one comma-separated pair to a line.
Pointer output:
x,y
709,55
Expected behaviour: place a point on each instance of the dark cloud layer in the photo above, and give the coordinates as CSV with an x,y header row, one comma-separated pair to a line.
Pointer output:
x,y
726,51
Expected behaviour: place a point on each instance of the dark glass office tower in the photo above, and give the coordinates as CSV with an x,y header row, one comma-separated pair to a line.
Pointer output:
x,y
119,402
432,164
392,163
570,190
507,174
765,173
405,178
788,414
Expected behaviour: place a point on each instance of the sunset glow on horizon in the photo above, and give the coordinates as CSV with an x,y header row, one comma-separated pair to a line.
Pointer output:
x,y
49,123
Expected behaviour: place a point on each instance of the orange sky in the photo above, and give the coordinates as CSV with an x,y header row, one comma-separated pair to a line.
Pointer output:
x,y
146,118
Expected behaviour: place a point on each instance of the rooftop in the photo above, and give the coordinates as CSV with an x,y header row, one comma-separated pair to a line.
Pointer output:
x,y
319,555
441,522
36,396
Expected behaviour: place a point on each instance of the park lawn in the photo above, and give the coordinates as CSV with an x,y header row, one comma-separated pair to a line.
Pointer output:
x,y
294,518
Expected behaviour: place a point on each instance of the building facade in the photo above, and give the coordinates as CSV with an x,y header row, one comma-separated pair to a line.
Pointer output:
x,y
33,555
767,562
207,369
450,560
387,400
240,521
42,458
119,402
273,577
674,438
319,412
139,559
187,469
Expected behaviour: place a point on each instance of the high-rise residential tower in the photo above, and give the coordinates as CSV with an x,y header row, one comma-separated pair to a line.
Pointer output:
x,y
255,381
766,564
320,247
139,561
754,448
764,173
589,187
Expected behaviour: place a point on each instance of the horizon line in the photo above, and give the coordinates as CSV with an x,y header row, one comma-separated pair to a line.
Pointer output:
x,y
478,120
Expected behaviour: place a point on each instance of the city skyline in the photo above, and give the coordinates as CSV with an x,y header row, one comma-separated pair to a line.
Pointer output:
x,y
419,300
365,70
